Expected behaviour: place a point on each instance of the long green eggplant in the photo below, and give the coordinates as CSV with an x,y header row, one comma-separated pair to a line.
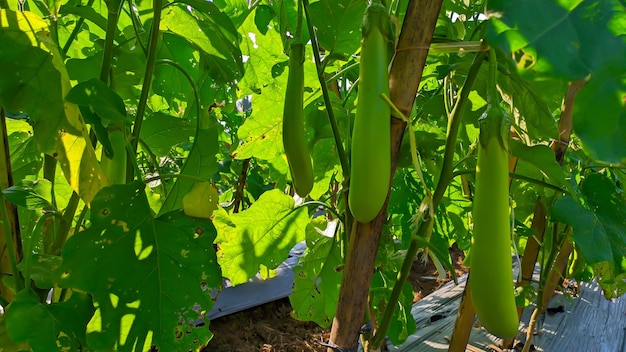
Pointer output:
x,y
370,170
294,140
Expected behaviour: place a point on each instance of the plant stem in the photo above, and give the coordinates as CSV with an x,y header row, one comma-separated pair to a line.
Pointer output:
x,y
515,176
442,184
240,185
65,224
107,54
157,6
17,284
343,158
75,31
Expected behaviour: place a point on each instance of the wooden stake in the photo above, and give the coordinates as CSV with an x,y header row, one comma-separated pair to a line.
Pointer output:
x,y
406,73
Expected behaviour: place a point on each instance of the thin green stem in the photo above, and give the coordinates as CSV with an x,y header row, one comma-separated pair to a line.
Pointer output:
x,y
28,245
326,206
136,21
147,80
66,223
107,54
453,126
442,184
154,160
75,31
168,176
8,234
343,158
517,177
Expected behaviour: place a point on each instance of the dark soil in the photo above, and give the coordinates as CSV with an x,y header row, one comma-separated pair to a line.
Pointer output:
x,y
270,327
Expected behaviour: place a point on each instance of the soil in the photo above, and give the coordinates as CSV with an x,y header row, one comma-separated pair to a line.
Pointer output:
x,y
270,328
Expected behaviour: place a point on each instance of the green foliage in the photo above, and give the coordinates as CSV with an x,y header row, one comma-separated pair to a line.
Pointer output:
x,y
599,229
136,272
261,235
171,258
317,277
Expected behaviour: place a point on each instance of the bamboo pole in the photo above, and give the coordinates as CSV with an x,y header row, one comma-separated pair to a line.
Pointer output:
x,y
406,73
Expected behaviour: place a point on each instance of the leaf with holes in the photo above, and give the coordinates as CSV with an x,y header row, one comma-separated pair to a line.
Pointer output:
x,y
318,276
151,278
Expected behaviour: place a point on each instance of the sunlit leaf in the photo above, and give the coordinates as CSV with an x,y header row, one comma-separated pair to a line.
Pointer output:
x,y
161,132
338,24
159,272
209,30
263,235
317,277
201,163
35,80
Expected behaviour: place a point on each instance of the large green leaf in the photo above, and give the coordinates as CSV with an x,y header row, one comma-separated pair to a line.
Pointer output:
x,y
25,157
169,82
35,81
338,24
201,162
31,194
569,39
151,278
211,32
49,327
161,132
326,167
600,114
260,235
599,229
264,50
541,157
318,275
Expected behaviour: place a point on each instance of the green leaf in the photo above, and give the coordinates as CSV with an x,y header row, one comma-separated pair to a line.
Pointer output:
x,y
43,269
264,50
211,32
169,82
609,204
338,24
566,39
532,108
599,229
263,235
31,194
6,343
100,99
326,167
542,158
53,327
402,323
317,277
600,114
201,163
589,232
151,278
161,132
29,82
25,157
